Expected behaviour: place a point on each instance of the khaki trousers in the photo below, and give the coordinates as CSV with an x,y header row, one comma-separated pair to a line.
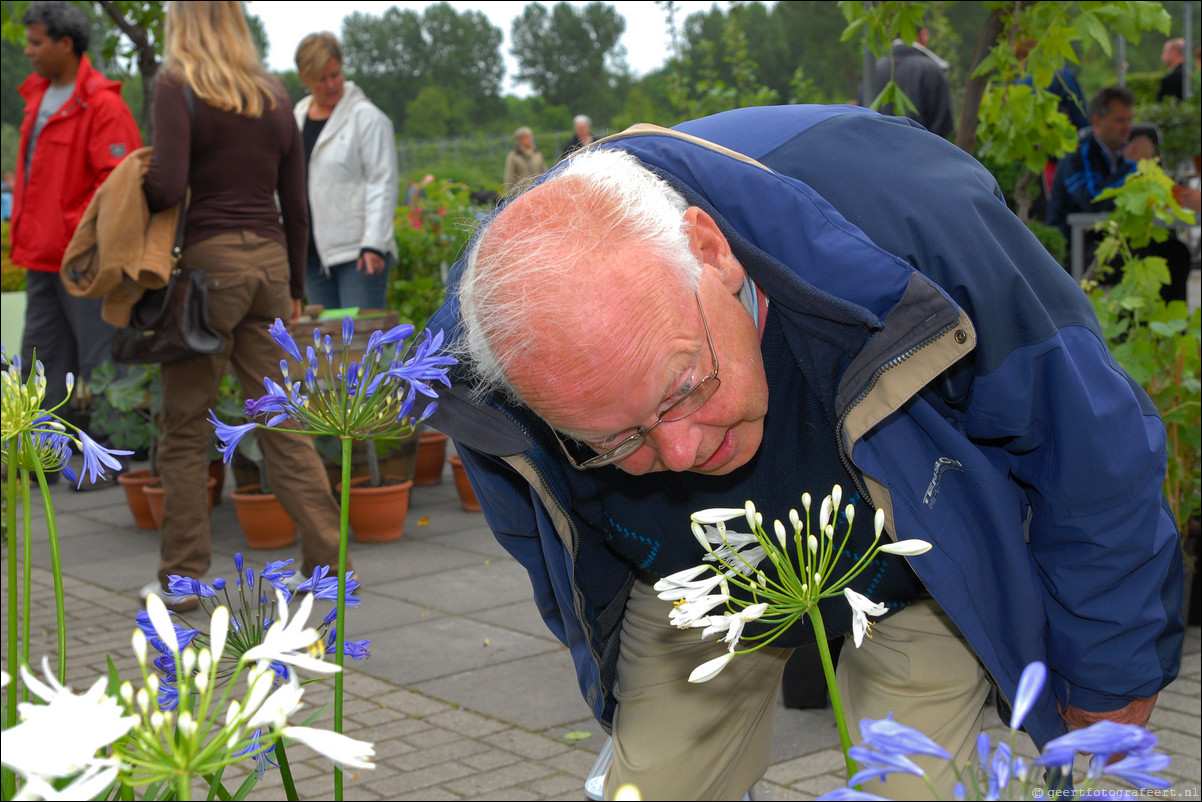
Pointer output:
x,y
248,289
674,740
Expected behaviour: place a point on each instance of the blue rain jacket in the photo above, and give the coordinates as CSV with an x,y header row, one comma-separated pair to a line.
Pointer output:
x,y
973,391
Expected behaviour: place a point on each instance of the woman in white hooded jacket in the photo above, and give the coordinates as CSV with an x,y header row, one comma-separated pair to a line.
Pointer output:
x,y
352,179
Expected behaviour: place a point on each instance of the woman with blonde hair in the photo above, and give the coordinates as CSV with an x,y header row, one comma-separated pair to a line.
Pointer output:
x,y
224,137
352,178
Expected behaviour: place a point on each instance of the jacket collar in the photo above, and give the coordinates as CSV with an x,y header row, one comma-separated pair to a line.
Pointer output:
x,y
88,82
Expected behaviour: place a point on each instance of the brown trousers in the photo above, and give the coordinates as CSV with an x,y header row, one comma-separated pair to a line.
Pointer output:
x,y
248,289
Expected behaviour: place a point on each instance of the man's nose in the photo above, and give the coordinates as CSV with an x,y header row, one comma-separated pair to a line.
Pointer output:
x,y
676,442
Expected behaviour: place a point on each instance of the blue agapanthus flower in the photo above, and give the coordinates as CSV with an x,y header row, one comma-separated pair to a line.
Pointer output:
x,y
367,398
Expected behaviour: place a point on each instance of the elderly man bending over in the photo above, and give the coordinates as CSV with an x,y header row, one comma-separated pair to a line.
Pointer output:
x,y
772,301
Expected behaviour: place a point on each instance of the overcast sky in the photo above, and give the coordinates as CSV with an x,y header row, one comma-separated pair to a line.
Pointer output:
x,y
646,37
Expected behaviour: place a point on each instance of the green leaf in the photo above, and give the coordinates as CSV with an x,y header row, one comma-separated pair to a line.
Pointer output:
x,y
577,735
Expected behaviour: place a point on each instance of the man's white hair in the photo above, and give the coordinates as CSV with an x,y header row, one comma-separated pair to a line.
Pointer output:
x,y
597,202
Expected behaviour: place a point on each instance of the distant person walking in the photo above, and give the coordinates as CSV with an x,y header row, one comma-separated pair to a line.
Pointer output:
x,y
524,162
76,130
350,150
582,136
1172,56
223,130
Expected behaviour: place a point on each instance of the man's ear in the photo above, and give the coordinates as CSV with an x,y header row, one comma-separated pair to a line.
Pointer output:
x,y
708,244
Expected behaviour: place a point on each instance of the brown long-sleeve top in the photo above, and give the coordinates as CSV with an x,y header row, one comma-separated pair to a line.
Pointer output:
x,y
234,166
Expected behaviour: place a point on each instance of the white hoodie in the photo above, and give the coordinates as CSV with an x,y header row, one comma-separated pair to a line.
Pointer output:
x,y
352,179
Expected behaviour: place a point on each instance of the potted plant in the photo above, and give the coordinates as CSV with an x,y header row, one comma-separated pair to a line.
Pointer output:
x,y
431,234
127,410
1157,343
378,502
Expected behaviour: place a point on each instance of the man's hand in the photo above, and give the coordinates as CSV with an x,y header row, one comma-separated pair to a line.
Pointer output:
x,y
296,309
1139,148
1137,712
370,263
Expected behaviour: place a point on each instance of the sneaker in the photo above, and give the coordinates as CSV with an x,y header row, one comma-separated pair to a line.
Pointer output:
x,y
177,604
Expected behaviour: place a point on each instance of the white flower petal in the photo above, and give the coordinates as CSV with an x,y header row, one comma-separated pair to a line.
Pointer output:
x,y
679,578
715,515
907,548
161,620
219,627
878,522
337,747
711,668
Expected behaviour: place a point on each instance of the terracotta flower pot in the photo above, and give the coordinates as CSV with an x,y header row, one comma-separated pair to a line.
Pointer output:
x,y
263,519
156,496
467,496
217,473
133,482
431,454
377,514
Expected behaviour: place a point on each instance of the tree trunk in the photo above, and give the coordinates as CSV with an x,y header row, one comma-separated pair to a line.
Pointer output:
x,y
148,61
974,90
1022,196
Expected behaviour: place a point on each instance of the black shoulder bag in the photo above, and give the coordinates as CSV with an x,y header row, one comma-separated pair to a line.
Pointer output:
x,y
172,323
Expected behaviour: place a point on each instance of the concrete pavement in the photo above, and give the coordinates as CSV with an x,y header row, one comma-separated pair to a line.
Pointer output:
x,y
466,694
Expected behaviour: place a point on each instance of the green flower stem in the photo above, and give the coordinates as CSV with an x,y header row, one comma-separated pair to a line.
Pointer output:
x,y
344,526
8,779
26,573
56,568
832,685
285,771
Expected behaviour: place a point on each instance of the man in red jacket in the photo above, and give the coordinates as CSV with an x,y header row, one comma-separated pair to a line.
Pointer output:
x,y
76,129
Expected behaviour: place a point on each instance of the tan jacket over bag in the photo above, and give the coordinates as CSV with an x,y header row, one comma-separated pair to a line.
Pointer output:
x,y
120,250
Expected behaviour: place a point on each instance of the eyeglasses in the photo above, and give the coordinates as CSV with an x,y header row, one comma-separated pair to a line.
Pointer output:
x,y
683,407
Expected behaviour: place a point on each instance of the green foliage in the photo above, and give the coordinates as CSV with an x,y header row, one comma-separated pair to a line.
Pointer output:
x,y
1157,343
14,67
128,408
1180,124
569,54
431,235
12,277
395,55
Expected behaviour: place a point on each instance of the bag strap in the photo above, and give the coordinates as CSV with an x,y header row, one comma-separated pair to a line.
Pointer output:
x,y
177,249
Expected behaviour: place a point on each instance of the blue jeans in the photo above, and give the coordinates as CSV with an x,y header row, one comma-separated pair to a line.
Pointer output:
x,y
345,286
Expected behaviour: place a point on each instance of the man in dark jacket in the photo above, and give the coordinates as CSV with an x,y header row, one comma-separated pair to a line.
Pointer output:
x,y
922,75
726,311
76,129
1104,157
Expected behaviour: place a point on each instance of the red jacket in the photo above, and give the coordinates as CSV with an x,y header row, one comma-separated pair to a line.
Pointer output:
x,y
77,149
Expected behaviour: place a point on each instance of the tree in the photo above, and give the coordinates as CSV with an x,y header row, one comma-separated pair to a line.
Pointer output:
x,y
570,55
396,55
1007,121
129,35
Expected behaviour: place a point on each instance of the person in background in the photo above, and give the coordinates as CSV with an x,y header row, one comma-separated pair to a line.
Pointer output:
x,y
1102,160
352,178
1172,56
224,134
524,162
6,195
582,135
922,75
76,130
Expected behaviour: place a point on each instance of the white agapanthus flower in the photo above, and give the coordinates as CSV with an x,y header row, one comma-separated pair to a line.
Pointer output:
x,y
806,557
288,641
60,738
861,608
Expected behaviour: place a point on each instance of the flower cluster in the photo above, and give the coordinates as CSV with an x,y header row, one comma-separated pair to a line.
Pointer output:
x,y
38,439
257,602
733,559
887,748
209,728
368,398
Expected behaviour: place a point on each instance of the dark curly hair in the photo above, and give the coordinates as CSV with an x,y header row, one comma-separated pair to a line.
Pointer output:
x,y
61,19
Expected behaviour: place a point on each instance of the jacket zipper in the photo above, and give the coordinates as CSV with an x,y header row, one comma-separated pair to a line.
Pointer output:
x,y
844,456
